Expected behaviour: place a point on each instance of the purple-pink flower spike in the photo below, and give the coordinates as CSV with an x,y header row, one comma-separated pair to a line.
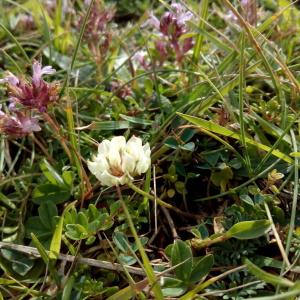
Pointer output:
x,y
18,125
36,94
172,25
249,11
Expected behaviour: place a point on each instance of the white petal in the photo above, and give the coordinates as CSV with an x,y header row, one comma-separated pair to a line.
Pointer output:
x,y
118,143
109,180
134,147
93,167
102,162
146,149
132,158
103,148
140,155
123,180
114,159
144,161
134,141
128,163
143,165
116,149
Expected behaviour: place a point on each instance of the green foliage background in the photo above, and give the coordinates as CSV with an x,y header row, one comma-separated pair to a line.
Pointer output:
x,y
216,216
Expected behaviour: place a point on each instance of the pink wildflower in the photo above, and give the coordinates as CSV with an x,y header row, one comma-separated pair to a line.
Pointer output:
x,y
17,125
172,25
36,94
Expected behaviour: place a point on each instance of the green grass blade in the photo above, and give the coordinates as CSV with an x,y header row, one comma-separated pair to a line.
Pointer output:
x,y
45,257
200,37
57,236
276,144
241,104
295,195
208,125
283,296
18,45
267,277
82,29
148,268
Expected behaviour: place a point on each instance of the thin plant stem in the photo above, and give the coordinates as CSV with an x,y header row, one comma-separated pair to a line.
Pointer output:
x,y
241,104
295,195
85,184
278,240
148,269
60,138
161,202
200,37
41,146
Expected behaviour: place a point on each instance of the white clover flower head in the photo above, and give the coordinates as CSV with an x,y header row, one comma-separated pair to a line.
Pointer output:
x,y
118,162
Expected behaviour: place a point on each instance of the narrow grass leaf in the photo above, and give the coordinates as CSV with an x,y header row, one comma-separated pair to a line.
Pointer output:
x,y
40,248
126,293
110,125
6,201
200,37
136,120
148,268
57,236
208,125
281,296
267,277
18,45
50,173
66,295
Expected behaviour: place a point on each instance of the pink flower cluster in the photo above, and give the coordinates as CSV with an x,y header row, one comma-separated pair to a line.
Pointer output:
x,y
18,125
25,98
97,32
172,25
